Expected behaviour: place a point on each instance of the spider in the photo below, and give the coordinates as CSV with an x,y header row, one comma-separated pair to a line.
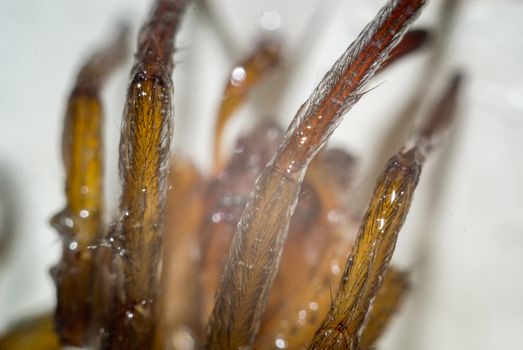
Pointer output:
x,y
307,210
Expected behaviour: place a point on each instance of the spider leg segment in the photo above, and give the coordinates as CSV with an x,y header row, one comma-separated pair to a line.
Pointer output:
x,y
180,293
226,198
371,253
244,77
374,246
391,295
80,222
257,245
136,239
413,40
36,333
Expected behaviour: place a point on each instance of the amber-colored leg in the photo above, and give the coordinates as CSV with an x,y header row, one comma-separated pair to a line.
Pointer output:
x,y
292,323
244,77
388,301
371,253
316,246
180,296
257,245
37,333
80,222
379,230
136,239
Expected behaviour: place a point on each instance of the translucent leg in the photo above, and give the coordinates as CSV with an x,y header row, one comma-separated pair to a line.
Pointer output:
x,y
80,222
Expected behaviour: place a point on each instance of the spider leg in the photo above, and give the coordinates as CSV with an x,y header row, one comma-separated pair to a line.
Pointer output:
x,y
136,239
389,299
226,197
293,322
36,333
321,233
374,246
80,222
243,78
257,245
180,296
412,41
438,38
371,253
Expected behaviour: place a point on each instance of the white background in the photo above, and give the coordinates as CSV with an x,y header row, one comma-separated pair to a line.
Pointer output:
x,y
464,237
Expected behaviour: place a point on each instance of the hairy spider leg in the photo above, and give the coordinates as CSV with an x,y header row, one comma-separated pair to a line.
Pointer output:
x,y
243,78
374,246
322,220
438,37
257,245
136,239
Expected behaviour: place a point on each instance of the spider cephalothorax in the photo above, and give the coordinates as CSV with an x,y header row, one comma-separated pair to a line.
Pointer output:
x,y
131,285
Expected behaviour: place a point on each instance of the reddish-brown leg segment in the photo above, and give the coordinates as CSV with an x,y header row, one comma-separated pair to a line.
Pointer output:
x,y
257,245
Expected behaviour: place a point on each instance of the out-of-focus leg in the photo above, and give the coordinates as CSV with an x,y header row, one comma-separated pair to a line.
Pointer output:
x,y
243,78
80,222
388,301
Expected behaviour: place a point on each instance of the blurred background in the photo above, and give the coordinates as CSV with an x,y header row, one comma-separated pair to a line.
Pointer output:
x,y
463,240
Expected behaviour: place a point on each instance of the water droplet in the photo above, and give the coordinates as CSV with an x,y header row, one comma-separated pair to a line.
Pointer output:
x,y
73,245
238,76
335,216
270,20
248,266
217,217
68,222
280,343
313,306
335,267
84,213
302,314
183,340
238,149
